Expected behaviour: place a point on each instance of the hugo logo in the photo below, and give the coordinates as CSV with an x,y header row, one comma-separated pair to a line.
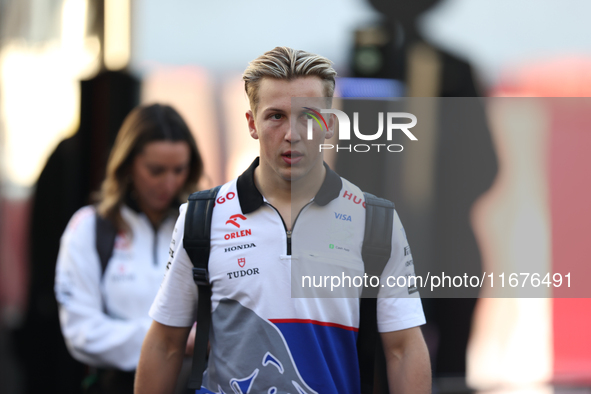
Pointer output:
x,y
233,219
229,196
356,200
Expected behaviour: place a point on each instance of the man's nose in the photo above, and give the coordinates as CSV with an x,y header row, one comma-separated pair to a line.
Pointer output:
x,y
291,134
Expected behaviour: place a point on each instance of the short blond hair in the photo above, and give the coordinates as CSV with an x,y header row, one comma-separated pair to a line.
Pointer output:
x,y
287,64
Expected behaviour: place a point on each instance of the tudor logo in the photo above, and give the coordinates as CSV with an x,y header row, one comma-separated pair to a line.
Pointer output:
x,y
244,272
234,219
241,273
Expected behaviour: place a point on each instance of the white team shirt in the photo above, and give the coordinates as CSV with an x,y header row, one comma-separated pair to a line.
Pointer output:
x,y
104,320
255,321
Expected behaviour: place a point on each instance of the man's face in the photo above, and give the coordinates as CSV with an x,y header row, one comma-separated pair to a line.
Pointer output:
x,y
284,147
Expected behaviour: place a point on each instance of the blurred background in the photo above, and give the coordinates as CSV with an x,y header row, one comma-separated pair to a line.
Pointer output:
x,y
70,70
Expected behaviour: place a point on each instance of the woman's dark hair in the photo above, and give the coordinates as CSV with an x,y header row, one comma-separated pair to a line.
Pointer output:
x,y
143,125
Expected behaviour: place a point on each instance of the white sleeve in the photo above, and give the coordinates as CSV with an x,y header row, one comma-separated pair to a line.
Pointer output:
x,y
91,336
399,308
176,302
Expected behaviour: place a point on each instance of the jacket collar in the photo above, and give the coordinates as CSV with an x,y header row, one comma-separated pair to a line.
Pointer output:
x,y
132,203
251,199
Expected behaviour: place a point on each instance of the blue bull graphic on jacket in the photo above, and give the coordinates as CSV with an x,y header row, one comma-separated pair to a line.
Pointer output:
x,y
252,355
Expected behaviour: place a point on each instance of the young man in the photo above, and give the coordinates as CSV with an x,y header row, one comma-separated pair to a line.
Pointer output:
x,y
262,340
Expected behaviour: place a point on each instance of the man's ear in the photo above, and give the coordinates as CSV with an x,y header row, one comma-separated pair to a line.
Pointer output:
x,y
252,129
331,127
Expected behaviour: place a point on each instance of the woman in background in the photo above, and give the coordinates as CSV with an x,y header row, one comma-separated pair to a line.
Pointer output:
x,y
104,292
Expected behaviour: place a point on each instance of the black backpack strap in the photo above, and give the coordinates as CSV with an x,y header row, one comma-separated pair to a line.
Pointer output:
x,y
377,246
106,232
197,241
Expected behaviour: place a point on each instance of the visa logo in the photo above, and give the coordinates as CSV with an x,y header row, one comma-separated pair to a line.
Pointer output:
x,y
342,216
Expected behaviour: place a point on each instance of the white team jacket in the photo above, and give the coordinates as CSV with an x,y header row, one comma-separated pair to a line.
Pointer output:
x,y
104,321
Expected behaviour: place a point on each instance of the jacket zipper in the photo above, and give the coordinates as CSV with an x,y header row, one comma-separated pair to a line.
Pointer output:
x,y
289,232
155,247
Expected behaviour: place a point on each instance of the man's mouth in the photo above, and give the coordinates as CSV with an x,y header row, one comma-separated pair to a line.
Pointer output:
x,y
292,156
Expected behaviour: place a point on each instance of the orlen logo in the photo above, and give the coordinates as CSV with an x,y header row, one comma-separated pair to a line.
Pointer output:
x,y
233,219
345,129
122,241
238,234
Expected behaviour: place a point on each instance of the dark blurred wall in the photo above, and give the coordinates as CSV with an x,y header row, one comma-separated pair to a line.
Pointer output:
x,y
73,171
457,161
